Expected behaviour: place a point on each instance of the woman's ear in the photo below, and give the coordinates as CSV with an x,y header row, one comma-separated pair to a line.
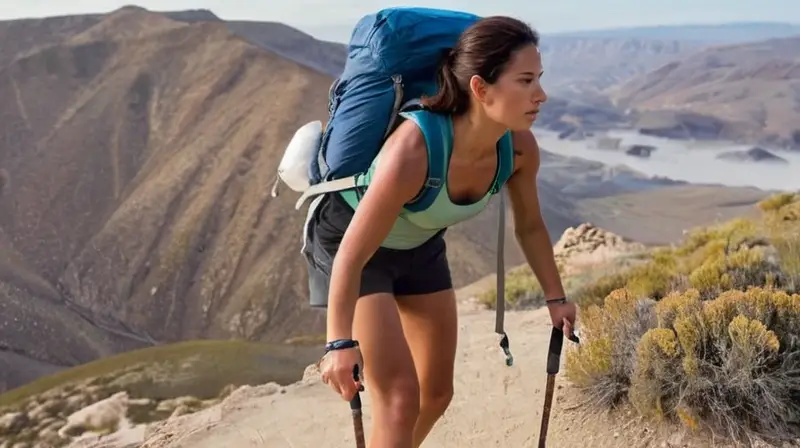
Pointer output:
x,y
478,88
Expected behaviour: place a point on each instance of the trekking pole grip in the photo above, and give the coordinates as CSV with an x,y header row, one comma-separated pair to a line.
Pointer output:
x,y
355,403
355,408
554,352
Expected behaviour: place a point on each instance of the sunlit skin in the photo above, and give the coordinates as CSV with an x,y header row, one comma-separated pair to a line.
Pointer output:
x,y
513,101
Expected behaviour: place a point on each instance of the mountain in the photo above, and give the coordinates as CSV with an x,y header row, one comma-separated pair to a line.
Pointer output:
x,y
139,154
733,32
20,36
746,92
579,66
585,62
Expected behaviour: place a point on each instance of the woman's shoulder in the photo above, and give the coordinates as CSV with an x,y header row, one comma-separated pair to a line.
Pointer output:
x,y
526,149
403,160
407,147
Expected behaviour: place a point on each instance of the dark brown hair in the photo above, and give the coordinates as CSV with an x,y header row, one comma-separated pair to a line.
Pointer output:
x,y
483,49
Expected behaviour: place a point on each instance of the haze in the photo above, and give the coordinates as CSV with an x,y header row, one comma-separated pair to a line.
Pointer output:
x,y
321,17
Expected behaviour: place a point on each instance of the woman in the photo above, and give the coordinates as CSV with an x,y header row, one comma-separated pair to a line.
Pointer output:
x,y
389,286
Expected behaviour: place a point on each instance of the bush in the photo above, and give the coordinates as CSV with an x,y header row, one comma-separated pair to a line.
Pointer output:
x,y
776,202
706,333
733,255
783,228
522,290
732,362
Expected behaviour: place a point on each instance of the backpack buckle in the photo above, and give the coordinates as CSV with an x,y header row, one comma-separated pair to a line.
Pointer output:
x,y
433,182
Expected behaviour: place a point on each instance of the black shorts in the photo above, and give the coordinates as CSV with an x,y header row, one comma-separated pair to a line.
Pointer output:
x,y
421,270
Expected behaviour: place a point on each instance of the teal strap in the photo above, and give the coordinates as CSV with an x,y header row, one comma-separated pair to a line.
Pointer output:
x,y
439,140
505,161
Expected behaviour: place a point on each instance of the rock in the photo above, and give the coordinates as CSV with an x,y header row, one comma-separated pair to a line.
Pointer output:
x,y
170,405
675,440
587,240
640,150
311,374
13,422
104,414
612,143
573,133
754,154
680,125
48,408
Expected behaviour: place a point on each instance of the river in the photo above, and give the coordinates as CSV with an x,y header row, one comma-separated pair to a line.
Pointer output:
x,y
689,161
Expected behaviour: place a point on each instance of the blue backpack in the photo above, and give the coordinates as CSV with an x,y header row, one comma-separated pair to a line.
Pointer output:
x,y
393,58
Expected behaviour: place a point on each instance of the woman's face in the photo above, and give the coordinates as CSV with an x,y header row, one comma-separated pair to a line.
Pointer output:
x,y
515,98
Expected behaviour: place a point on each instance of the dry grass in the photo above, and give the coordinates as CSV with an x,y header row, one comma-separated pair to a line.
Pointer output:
x,y
705,333
193,368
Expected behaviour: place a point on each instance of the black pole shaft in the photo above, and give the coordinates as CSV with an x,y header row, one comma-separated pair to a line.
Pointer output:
x,y
355,409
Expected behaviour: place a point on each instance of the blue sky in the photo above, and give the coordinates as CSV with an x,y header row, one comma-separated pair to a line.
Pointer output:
x,y
546,15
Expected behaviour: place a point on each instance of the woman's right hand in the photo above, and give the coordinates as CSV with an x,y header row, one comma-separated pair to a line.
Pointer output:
x,y
336,369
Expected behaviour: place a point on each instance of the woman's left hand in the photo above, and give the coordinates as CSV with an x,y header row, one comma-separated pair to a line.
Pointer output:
x,y
563,316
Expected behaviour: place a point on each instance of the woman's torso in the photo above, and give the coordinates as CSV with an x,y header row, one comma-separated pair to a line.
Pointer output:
x,y
413,228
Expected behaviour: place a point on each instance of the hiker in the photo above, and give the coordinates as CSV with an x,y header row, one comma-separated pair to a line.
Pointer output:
x,y
383,271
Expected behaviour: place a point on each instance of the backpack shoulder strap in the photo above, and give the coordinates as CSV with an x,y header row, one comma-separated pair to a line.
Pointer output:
x,y
438,139
505,161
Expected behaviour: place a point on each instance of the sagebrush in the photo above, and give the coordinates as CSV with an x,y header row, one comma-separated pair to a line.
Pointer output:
x,y
706,333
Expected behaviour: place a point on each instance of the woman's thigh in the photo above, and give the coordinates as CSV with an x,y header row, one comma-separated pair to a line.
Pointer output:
x,y
430,323
429,315
388,366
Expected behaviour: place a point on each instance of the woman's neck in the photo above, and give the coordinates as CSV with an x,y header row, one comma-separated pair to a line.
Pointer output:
x,y
475,135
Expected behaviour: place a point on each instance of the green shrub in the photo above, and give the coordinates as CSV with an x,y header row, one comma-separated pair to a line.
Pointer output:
x,y
776,202
731,363
521,288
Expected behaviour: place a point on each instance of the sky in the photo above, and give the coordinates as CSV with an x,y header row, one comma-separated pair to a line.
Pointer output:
x,y
547,16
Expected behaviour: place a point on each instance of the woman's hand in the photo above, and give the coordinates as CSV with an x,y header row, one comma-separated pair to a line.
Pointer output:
x,y
563,315
336,369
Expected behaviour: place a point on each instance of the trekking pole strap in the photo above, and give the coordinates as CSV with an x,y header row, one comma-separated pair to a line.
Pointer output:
x,y
500,306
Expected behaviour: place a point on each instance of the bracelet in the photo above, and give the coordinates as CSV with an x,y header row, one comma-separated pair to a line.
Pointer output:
x,y
560,300
340,344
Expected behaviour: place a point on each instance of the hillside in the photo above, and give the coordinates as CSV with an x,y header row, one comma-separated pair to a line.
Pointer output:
x,y
576,66
747,92
21,36
138,189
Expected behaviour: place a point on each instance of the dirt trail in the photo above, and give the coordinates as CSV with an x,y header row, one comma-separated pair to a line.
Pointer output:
x,y
494,405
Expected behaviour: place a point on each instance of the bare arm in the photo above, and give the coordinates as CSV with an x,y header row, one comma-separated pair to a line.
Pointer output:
x,y
529,225
398,178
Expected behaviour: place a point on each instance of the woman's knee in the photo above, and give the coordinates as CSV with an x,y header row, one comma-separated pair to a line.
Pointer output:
x,y
435,400
401,400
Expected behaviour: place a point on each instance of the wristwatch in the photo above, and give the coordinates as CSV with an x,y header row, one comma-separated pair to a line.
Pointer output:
x,y
560,300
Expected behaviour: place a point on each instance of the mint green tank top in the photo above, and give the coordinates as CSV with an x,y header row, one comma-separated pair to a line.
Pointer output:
x,y
412,229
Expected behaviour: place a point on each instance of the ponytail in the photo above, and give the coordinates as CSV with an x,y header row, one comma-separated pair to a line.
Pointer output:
x,y
450,98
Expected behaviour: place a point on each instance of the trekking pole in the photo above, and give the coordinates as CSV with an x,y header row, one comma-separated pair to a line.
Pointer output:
x,y
553,364
355,408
